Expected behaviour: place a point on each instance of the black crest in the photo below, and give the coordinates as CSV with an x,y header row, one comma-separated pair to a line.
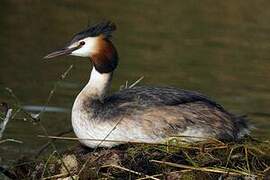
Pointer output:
x,y
105,28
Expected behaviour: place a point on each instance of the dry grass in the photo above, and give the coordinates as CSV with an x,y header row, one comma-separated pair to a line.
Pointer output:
x,y
205,160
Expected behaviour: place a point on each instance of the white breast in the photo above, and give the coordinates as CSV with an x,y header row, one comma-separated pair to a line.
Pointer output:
x,y
87,128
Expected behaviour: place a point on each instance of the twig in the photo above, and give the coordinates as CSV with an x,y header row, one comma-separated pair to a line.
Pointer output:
x,y
115,141
62,77
246,157
136,82
267,169
8,115
190,160
129,170
256,150
45,165
5,121
19,106
206,169
45,146
103,140
129,142
125,86
122,168
148,177
166,174
57,176
10,140
230,154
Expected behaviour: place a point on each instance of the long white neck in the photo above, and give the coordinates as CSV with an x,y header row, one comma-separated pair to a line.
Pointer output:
x,y
98,85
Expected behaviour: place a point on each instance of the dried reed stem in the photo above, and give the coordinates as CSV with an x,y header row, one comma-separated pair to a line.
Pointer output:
x,y
206,169
4,122
129,170
10,140
57,176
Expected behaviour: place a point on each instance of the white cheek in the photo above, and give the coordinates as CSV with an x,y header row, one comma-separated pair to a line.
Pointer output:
x,y
87,48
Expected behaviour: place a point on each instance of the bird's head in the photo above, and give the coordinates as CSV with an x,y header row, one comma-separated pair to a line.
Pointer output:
x,y
93,42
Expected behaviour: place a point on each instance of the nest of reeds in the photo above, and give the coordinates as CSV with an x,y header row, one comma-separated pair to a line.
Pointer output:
x,y
210,159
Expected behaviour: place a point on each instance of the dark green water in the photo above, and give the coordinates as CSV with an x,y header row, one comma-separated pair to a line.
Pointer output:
x,y
221,49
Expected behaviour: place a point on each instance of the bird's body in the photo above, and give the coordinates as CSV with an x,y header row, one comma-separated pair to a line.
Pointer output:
x,y
140,114
149,114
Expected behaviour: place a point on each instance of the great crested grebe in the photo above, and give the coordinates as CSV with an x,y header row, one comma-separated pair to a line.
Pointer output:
x,y
141,114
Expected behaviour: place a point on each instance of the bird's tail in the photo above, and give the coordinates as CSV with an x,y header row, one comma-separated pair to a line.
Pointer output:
x,y
243,125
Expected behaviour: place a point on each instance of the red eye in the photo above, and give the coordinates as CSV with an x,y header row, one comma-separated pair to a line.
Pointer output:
x,y
82,43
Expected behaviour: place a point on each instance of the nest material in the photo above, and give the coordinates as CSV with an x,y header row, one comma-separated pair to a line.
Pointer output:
x,y
205,160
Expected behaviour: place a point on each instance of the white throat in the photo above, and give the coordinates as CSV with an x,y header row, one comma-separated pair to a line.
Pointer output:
x,y
98,85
